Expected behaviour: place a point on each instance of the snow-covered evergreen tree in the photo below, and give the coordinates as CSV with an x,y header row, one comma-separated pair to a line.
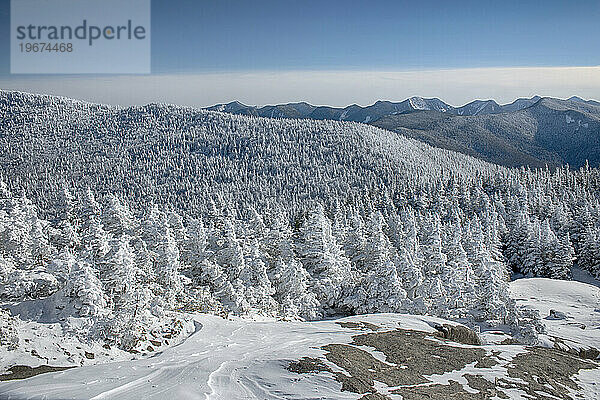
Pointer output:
x,y
84,288
589,253
322,257
117,219
292,290
556,256
164,255
458,275
380,287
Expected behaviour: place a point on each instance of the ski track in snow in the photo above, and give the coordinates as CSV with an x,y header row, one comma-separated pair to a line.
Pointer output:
x,y
225,359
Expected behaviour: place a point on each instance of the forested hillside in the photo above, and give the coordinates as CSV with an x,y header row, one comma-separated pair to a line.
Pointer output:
x,y
532,132
550,132
124,215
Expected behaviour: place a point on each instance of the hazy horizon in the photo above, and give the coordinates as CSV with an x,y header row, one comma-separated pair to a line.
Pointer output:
x,y
331,88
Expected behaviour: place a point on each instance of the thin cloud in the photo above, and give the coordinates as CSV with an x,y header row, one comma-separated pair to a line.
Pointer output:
x,y
337,88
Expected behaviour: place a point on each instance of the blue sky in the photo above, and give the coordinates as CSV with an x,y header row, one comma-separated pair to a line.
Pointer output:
x,y
373,34
201,37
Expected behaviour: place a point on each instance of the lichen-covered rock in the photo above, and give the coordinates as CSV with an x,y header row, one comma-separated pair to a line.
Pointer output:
x,y
459,334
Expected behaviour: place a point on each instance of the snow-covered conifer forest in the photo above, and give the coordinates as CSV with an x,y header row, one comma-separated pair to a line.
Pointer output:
x,y
115,220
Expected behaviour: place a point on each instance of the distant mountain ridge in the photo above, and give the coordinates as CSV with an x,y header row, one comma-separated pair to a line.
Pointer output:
x,y
533,132
381,108
352,112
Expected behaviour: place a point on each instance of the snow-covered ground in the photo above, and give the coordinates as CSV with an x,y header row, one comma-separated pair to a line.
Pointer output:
x,y
248,359
576,320
224,359
47,344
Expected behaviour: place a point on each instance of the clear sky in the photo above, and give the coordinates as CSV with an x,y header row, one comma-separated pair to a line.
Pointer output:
x,y
297,39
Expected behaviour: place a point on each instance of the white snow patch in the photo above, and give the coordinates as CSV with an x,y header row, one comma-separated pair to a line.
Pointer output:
x,y
507,353
480,108
579,301
49,344
589,380
494,337
378,355
385,390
